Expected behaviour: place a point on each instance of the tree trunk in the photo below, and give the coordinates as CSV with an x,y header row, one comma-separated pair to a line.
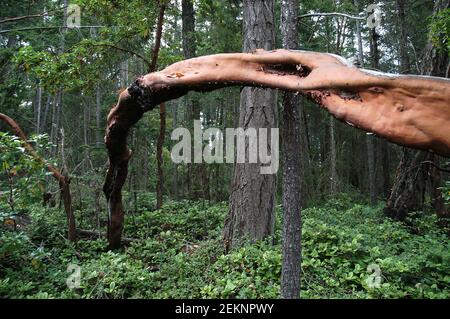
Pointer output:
x,y
333,171
38,108
385,164
252,199
442,211
162,113
193,110
375,58
403,41
437,64
188,28
291,146
98,97
175,186
408,191
46,110
159,156
66,196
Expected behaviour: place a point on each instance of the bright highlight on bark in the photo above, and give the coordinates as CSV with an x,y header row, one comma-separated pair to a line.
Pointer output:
x,y
413,111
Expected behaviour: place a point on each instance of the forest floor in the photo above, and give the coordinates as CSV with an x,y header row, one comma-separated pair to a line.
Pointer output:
x,y
350,250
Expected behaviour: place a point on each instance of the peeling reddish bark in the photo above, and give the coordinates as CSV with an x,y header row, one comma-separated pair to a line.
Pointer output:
x,y
63,181
413,111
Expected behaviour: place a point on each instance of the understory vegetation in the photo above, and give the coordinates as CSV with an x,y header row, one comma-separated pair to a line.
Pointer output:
x,y
179,254
375,215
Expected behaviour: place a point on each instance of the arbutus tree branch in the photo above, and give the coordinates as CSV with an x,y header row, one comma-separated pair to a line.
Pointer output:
x,y
118,167
413,111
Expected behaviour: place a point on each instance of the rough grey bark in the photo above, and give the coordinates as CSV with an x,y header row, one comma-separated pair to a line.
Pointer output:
x,y
291,146
252,198
193,112
188,28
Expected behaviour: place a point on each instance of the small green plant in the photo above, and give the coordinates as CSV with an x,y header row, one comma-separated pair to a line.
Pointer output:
x,y
446,192
349,250
440,30
22,175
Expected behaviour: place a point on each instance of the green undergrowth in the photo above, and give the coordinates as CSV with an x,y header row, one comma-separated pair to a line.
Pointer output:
x,y
350,250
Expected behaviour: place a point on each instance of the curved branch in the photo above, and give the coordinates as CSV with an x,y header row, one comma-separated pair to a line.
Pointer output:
x,y
55,27
63,181
409,110
327,14
158,36
413,111
32,16
18,131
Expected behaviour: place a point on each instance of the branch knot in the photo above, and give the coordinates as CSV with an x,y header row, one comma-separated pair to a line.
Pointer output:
x,y
144,96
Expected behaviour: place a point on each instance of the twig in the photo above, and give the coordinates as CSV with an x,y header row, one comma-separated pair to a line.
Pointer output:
x,y
436,166
38,15
325,14
147,62
56,27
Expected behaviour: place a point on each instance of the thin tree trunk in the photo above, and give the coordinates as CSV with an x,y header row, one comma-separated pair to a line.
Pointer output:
x,y
369,138
385,164
98,97
38,108
162,113
371,168
403,40
175,185
333,171
65,193
46,110
159,157
291,133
